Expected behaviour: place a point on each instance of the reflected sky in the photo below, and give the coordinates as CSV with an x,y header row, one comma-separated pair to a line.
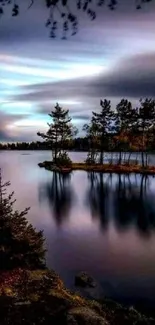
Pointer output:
x,y
59,195
104,224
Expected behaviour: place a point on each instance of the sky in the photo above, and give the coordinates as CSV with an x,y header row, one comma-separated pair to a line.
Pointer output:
x,y
112,57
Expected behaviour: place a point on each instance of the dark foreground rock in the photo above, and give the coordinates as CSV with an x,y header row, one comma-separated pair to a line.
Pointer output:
x,y
40,297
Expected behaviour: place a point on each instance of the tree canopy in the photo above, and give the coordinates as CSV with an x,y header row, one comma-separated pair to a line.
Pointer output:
x,y
60,131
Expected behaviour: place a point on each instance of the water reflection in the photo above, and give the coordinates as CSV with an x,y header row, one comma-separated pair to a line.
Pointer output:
x,y
125,199
121,256
97,198
59,194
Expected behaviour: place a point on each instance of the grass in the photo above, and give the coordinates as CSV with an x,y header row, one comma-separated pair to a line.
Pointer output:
x,y
108,168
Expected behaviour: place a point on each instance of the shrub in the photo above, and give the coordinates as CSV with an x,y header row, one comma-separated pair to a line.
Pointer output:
x,y
63,160
20,244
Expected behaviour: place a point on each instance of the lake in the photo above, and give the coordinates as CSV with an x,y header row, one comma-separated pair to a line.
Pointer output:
x,y
102,224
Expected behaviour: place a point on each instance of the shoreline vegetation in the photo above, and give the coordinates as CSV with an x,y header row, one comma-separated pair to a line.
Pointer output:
x,y
104,168
125,128
30,293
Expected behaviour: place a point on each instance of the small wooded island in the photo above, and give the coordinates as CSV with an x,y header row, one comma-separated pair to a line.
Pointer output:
x,y
127,130
105,168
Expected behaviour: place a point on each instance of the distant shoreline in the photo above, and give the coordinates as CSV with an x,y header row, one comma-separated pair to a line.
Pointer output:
x,y
82,150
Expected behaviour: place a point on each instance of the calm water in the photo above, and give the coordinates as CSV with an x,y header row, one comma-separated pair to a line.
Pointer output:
x,y
101,224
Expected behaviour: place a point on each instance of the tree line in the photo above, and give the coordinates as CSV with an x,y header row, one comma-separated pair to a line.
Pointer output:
x,y
133,129
125,129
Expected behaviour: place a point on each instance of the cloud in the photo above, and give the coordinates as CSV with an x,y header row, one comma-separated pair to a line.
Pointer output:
x,y
81,117
53,91
132,77
7,132
4,137
36,72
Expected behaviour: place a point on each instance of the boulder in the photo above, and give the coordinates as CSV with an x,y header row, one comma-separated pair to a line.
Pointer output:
x,y
84,280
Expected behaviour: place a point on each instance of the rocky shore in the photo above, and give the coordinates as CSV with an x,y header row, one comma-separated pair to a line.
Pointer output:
x,y
40,297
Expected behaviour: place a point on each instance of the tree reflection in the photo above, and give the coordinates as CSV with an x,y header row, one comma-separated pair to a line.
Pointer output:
x,y
134,204
97,197
59,194
123,198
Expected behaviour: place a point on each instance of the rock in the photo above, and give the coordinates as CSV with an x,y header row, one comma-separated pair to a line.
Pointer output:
x,y
84,316
84,280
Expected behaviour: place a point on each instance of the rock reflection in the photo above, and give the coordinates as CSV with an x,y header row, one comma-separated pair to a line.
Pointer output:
x,y
59,194
125,199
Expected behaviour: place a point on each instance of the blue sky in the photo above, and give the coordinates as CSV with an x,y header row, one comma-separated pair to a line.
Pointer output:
x,y
112,57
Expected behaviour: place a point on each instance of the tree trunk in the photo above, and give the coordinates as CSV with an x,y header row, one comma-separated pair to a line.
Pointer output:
x,y
101,157
124,157
146,159
143,162
129,157
101,150
137,158
120,158
56,147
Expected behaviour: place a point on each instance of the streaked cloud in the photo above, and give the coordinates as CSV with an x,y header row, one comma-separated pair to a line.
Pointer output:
x,y
112,57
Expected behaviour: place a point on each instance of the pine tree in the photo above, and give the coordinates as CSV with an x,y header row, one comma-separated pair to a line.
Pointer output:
x,y
145,122
20,244
91,130
125,119
103,121
59,133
